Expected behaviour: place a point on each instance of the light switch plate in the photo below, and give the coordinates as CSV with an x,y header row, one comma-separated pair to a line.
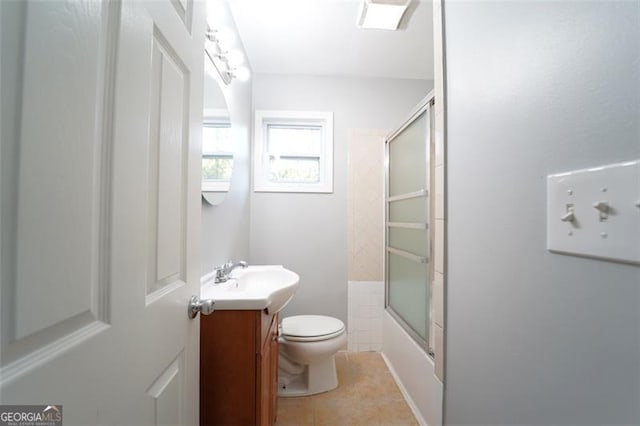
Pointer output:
x,y
605,202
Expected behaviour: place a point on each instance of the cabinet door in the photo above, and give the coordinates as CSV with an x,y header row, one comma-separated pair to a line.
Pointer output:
x,y
268,384
265,387
228,368
274,371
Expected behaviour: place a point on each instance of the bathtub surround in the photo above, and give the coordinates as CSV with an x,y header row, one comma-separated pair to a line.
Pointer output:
x,y
365,205
438,206
413,362
414,371
365,311
308,232
421,376
535,337
365,211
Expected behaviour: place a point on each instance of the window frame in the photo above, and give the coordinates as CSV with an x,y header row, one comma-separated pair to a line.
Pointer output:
x,y
213,118
261,156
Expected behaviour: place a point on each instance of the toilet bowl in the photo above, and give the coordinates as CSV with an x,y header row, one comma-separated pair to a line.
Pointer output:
x,y
308,344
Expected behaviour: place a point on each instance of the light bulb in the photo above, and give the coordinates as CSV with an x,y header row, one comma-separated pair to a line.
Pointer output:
x,y
215,12
225,36
211,47
242,73
235,58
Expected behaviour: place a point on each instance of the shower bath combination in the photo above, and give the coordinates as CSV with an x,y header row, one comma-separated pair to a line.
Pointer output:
x,y
408,214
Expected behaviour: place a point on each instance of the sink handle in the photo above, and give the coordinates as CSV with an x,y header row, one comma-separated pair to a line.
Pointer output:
x,y
196,305
221,275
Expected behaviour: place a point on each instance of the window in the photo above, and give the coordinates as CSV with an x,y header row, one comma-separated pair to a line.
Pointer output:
x,y
293,151
217,153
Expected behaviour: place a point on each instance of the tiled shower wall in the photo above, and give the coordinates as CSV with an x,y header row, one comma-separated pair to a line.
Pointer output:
x,y
365,309
439,238
366,235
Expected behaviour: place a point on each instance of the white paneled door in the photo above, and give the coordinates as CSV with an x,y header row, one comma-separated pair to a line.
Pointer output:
x,y
100,207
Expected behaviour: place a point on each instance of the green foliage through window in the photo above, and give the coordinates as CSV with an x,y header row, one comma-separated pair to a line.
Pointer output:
x,y
294,153
217,152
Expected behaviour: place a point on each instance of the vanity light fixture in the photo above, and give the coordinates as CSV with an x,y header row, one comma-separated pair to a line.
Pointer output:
x,y
233,57
211,35
381,14
212,51
227,62
241,73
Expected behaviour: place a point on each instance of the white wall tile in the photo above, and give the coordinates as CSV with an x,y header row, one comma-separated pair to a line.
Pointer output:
x,y
365,310
437,299
363,337
439,192
439,351
364,347
438,250
365,206
439,139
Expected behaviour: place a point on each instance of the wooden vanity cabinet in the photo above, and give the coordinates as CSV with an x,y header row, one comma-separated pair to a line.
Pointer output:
x,y
238,368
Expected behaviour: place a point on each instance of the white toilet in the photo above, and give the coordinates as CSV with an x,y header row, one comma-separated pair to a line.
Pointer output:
x,y
308,344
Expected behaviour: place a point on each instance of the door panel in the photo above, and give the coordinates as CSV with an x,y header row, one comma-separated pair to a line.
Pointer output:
x,y
166,393
100,208
55,206
184,8
46,254
168,153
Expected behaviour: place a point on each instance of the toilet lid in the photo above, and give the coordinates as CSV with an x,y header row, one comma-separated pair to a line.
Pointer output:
x,y
310,326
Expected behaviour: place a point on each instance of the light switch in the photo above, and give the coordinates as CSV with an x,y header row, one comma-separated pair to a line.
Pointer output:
x,y
596,212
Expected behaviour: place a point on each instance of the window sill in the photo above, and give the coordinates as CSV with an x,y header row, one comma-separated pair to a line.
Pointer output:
x,y
295,188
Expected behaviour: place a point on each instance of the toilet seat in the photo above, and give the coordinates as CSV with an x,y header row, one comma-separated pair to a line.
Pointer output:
x,y
311,328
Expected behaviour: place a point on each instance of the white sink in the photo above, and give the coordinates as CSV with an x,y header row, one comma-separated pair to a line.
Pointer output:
x,y
268,287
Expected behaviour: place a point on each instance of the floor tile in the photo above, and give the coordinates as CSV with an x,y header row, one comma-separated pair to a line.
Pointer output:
x,y
367,396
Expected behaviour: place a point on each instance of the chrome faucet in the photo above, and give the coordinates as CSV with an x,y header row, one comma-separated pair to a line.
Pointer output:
x,y
223,271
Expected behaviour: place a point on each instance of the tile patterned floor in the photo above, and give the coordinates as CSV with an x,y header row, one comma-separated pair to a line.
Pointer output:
x,y
367,396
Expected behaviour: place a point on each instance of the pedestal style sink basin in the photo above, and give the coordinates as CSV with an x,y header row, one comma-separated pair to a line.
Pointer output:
x,y
268,287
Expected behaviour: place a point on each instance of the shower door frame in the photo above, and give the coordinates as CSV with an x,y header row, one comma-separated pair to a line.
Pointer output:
x,y
425,106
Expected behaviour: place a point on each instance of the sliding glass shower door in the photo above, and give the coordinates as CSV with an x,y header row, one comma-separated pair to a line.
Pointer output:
x,y
408,247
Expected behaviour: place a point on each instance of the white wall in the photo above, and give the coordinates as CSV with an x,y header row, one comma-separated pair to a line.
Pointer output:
x,y
536,88
308,232
225,228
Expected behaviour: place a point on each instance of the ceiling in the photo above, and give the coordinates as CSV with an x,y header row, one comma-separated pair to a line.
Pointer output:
x,y
320,37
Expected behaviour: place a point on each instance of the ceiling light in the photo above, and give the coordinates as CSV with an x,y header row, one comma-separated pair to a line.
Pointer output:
x,y
381,14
